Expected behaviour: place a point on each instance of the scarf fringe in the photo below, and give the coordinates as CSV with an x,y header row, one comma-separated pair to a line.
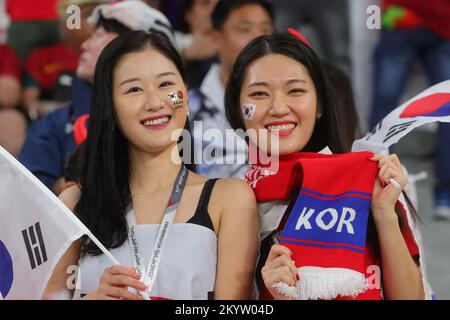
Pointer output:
x,y
324,283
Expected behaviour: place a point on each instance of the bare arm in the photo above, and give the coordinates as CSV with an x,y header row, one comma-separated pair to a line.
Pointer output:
x,y
402,278
238,241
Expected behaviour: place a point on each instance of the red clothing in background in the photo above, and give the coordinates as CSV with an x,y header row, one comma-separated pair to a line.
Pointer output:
x,y
46,64
32,10
9,62
435,14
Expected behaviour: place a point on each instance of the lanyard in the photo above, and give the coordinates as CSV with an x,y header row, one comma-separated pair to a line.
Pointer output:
x,y
149,274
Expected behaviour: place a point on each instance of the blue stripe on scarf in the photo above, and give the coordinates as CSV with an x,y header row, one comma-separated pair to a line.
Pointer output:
x,y
337,195
305,202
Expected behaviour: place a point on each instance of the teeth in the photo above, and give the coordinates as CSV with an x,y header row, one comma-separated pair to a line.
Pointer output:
x,y
282,127
156,122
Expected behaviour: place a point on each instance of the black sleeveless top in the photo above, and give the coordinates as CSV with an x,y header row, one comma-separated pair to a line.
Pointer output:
x,y
201,216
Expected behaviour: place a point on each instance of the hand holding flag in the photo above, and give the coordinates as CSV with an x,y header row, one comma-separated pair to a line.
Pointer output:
x,y
36,229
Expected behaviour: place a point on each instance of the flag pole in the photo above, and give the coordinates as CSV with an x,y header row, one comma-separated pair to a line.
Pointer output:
x,y
111,257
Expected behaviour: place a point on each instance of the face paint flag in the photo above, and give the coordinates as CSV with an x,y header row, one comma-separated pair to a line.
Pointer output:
x,y
36,229
248,110
177,98
432,105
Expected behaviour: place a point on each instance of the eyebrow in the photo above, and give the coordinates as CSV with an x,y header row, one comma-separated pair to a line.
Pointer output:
x,y
264,84
168,73
259,83
250,22
291,81
128,80
137,79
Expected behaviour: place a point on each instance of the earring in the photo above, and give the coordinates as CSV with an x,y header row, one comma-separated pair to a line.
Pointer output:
x,y
319,116
188,111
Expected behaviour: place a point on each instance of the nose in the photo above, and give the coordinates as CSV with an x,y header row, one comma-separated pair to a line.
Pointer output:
x,y
153,102
85,44
279,106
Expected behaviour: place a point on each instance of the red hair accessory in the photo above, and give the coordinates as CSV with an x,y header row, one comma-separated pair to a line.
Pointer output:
x,y
299,36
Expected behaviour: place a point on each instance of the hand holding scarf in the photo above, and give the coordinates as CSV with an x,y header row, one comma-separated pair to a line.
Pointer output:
x,y
326,229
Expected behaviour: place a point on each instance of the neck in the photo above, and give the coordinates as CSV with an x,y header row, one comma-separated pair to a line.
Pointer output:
x,y
151,172
224,75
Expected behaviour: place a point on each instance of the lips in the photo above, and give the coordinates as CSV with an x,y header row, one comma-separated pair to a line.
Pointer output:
x,y
281,128
157,122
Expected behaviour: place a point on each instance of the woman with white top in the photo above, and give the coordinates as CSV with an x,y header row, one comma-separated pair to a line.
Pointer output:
x,y
176,234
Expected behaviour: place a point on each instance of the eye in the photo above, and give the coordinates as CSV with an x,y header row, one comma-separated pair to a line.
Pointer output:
x,y
133,90
165,84
244,29
258,94
296,91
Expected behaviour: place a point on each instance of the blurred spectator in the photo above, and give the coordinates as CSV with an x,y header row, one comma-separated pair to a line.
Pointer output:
x,y
51,69
235,24
323,22
53,139
195,39
33,24
12,122
415,30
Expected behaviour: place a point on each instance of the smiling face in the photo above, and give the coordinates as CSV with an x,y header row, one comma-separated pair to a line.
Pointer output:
x,y
286,102
149,99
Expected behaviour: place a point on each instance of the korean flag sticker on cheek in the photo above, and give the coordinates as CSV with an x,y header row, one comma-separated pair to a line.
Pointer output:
x,y
248,110
177,99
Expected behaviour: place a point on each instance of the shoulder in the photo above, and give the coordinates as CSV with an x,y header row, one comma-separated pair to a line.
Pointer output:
x,y
236,205
70,196
55,119
48,129
237,190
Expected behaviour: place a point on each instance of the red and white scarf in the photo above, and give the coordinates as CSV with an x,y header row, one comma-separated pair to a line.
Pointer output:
x,y
326,228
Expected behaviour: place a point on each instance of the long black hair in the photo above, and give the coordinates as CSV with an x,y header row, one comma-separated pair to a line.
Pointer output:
x,y
105,168
326,130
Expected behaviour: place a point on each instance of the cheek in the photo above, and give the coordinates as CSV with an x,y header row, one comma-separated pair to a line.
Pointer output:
x,y
126,110
241,42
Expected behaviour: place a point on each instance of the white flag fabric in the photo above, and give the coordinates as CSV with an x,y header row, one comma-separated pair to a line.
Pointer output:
x,y
432,105
35,231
